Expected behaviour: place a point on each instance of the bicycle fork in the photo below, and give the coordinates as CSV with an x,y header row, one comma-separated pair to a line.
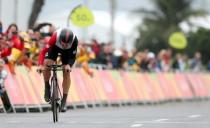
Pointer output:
x,y
56,90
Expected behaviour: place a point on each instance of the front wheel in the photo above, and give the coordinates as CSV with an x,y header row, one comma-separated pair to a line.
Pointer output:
x,y
55,111
54,104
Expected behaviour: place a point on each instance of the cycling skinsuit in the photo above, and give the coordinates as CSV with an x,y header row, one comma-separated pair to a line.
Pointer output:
x,y
53,48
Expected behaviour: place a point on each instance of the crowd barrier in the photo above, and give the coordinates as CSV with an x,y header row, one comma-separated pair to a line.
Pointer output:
x,y
26,88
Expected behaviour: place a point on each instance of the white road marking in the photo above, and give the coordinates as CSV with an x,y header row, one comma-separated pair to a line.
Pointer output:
x,y
136,125
71,122
194,116
169,122
98,122
13,122
161,120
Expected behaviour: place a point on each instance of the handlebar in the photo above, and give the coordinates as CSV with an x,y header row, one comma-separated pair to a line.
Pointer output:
x,y
53,67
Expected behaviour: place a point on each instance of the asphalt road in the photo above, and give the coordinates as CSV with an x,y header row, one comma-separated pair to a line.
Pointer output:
x,y
170,115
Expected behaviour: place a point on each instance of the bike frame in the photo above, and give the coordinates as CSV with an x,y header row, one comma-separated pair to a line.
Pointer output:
x,y
55,91
55,95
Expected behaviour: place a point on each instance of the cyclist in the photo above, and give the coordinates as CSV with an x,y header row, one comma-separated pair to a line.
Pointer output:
x,y
63,42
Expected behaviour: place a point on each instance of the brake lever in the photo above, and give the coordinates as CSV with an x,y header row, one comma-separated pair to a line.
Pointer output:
x,y
39,71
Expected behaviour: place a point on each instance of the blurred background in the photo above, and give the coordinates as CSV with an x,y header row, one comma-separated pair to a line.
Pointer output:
x,y
130,52
126,29
118,14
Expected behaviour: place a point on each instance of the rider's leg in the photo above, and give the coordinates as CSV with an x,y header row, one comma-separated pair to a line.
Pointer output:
x,y
68,58
47,74
66,84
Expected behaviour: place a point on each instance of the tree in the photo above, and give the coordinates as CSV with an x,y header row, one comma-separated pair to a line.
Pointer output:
x,y
37,7
162,22
199,41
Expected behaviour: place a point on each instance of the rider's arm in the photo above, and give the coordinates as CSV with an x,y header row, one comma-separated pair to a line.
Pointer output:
x,y
51,42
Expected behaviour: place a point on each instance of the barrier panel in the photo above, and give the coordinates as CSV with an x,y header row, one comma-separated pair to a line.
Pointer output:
x,y
118,81
109,87
138,86
37,85
132,92
154,86
27,87
83,88
197,85
206,81
14,91
183,85
167,88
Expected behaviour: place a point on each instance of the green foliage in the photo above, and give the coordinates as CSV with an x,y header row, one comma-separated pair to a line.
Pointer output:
x,y
199,41
159,24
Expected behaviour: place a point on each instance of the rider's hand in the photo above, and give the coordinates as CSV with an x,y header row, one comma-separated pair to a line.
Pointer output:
x,y
40,69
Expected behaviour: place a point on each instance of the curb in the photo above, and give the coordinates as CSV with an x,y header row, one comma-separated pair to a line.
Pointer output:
x,y
98,104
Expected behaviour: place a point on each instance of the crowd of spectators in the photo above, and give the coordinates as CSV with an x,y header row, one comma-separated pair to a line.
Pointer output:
x,y
22,48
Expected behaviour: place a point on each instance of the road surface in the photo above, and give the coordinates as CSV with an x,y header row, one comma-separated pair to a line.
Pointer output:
x,y
169,115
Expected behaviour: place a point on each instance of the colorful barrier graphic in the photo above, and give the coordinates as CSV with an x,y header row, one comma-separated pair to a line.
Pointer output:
x,y
27,87
197,85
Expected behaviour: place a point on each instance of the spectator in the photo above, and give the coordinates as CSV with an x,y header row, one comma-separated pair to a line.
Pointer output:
x,y
83,57
104,57
131,63
11,30
117,58
101,55
17,46
165,60
179,63
95,47
138,59
195,63
39,27
208,66
1,27
144,62
5,48
152,65
25,56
